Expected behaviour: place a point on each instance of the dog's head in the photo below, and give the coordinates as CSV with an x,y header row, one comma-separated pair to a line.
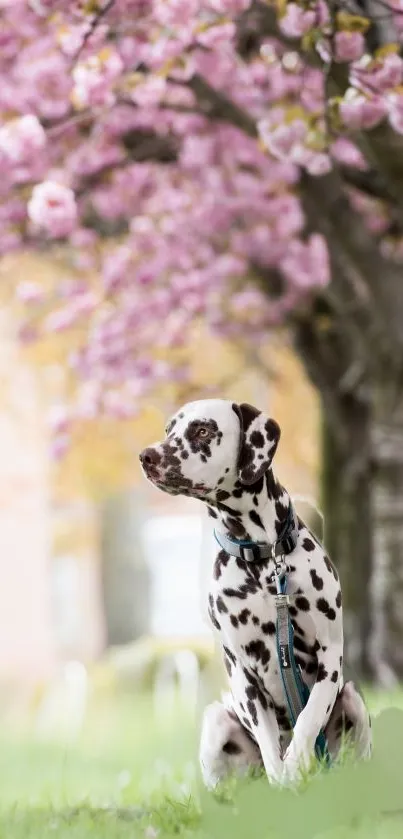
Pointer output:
x,y
210,445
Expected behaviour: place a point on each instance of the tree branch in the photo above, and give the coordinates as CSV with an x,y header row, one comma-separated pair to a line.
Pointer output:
x,y
92,27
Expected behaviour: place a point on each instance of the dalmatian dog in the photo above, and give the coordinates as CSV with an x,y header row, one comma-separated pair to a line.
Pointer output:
x,y
221,453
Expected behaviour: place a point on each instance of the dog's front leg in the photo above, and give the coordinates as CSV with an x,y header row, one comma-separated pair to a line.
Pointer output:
x,y
314,716
250,694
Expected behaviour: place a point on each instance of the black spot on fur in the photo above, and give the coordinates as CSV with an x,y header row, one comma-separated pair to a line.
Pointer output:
x,y
330,567
338,599
222,495
281,515
258,650
221,605
170,427
212,513
252,711
234,621
300,645
268,628
302,603
257,691
334,676
234,592
231,748
322,672
254,516
257,439
317,581
243,616
220,563
297,628
255,620
230,655
323,606
308,545
212,614
235,528
228,666
274,489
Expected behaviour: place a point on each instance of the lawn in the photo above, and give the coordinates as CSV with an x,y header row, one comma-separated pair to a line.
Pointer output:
x,y
130,775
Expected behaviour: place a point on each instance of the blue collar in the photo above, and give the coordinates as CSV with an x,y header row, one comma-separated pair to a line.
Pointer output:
x,y
249,550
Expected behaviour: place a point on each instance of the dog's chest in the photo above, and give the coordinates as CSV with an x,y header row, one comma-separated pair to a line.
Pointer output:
x,y
242,608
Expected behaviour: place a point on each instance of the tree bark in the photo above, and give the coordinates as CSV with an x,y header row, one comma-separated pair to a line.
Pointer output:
x,y
347,508
125,576
387,578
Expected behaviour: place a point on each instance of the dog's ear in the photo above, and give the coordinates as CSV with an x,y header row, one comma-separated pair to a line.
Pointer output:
x,y
258,442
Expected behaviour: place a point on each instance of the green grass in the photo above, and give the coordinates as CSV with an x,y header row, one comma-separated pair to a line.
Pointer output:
x,y
130,775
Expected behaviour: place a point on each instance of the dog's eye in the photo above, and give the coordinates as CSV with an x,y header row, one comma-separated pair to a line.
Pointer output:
x,y
203,432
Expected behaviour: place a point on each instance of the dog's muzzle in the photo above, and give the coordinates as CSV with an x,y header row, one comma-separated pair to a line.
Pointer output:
x,y
150,460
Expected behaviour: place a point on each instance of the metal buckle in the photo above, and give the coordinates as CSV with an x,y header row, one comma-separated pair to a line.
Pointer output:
x,y
248,554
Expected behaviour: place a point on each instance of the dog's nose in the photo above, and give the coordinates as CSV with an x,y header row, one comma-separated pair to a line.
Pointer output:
x,y
150,457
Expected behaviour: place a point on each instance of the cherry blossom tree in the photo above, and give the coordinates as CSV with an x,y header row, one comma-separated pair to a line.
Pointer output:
x,y
238,162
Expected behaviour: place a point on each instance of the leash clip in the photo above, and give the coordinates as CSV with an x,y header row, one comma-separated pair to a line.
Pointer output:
x,y
280,570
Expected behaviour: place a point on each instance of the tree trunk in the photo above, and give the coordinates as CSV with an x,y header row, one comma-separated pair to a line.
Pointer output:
x,y
387,580
125,576
346,489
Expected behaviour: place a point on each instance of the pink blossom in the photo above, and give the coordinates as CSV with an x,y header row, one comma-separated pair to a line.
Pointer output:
x,y
94,77
377,75
315,162
10,240
21,138
59,446
229,7
217,37
306,264
60,319
53,208
71,38
357,111
296,21
149,91
116,269
44,85
344,151
28,334
59,419
281,139
397,9
30,292
349,46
